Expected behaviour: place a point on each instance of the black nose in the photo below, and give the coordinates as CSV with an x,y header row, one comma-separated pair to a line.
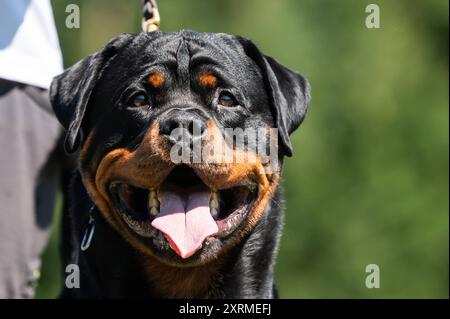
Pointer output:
x,y
191,125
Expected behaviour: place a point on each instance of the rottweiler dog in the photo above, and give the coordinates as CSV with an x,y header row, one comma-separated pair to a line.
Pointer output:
x,y
165,228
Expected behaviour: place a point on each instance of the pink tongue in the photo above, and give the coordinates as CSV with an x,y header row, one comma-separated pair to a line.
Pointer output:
x,y
186,224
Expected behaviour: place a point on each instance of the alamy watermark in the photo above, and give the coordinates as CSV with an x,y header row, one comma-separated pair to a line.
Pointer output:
x,y
73,17
373,17
72,276
72,280
373,277
235,145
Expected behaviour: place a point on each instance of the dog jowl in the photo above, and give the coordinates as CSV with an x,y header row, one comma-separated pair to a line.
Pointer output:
x,y
204,226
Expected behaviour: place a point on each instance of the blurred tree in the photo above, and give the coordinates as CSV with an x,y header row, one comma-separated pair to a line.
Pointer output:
x,y
368,182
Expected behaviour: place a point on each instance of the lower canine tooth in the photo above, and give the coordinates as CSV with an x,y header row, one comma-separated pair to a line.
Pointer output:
x,y
214,202
154,211
153,202
214,212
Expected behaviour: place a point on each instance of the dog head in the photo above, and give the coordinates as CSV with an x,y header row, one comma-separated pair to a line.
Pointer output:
x,y
143,100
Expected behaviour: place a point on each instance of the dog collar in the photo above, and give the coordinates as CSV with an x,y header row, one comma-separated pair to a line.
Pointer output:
x,y
89,231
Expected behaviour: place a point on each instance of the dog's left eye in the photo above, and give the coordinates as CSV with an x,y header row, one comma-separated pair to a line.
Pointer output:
x,y
227,99
139,100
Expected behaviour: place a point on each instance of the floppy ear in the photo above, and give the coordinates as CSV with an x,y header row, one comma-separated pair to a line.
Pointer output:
x,y
70,91
289,93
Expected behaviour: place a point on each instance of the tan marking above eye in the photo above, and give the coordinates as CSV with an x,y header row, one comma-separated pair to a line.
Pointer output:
x,y
208,80
156,79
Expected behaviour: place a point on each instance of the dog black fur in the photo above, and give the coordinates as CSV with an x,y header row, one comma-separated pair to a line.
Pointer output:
x,y
94,95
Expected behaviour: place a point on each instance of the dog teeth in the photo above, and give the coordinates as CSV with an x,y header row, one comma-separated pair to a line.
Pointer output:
x,y
214,205
214,202
153,203
154,211
214,212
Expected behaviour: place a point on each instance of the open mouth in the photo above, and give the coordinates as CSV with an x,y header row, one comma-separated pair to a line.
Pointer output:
x,y
183,209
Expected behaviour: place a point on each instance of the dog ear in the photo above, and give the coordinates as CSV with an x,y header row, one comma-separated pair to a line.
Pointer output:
x,y
289,93
70,91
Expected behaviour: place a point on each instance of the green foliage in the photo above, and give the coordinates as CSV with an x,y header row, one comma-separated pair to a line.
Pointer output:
x,y
368,182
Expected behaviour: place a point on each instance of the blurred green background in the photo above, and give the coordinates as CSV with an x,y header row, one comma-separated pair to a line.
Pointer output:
x,y
368,182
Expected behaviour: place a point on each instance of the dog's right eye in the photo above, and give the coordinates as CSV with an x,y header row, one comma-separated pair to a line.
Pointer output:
x,y
139,100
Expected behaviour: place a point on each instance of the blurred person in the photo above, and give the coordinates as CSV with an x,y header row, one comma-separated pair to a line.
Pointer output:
x,y
30,57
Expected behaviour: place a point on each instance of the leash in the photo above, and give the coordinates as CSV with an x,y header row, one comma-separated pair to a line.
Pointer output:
x,y
151,19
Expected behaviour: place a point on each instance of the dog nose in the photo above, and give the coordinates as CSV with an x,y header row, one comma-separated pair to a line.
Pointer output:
x,y
191,124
